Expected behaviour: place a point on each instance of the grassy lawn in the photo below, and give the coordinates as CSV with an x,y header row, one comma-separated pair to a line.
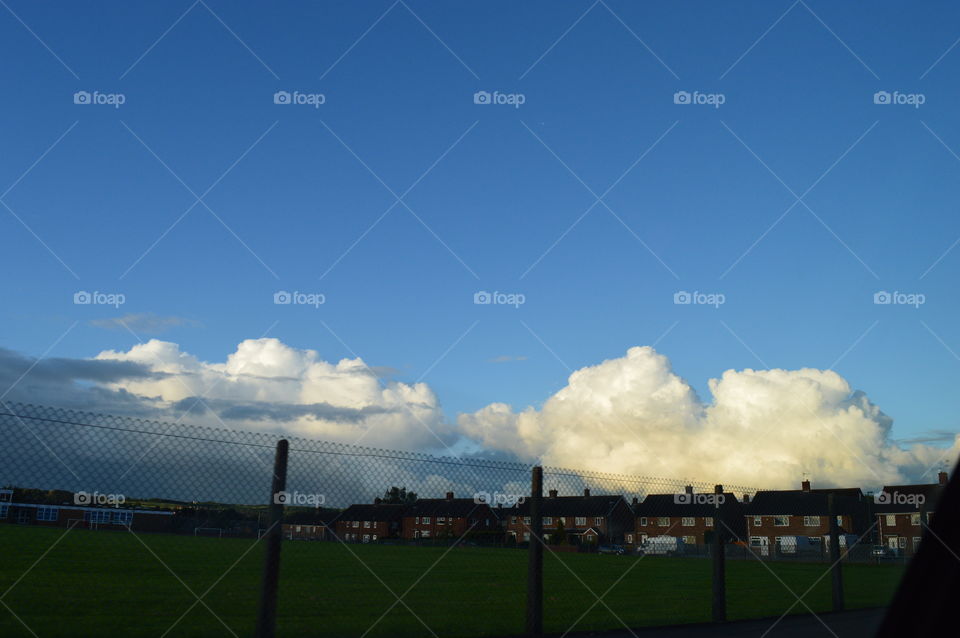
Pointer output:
x,y
115,583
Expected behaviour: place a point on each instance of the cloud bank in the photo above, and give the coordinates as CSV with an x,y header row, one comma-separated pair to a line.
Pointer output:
x,y
628,415
764,428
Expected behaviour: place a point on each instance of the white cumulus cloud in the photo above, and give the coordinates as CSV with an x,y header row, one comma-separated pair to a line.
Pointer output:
x,y
764,428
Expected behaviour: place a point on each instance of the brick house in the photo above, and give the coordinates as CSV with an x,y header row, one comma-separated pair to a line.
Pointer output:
x,y
369,523
310,526
899,511
585,519
775,514
689,516
449,517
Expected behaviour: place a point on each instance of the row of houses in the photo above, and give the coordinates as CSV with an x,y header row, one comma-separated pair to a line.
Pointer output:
x,y
894,518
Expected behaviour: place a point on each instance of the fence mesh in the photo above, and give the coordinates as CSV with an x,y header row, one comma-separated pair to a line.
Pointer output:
x,y
137,527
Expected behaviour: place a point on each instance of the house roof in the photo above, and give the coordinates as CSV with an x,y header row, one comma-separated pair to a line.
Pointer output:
x,y
571,506
666,505
373,512
804,503
455,507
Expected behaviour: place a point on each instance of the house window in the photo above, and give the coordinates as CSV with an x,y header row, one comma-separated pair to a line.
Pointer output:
x,y
526,536
629,538
688,521
123,518
425,533
598,520
426,520
356,523
902,541
781,521
757,521
547,520
581,521
690,540
891,519
417,521
643,521
914,519
47,513
3,510
663,521
811,521
815,540
98,516
366,525
916,542
441,519
526,520
513,520
374,537
839,521
298,529
708,521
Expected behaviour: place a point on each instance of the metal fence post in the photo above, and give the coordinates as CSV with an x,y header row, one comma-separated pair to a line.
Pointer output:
x,y
719,561
267,611
535,564
836,569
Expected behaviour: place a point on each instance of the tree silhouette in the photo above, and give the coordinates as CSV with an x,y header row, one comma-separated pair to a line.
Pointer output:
x,y
399,495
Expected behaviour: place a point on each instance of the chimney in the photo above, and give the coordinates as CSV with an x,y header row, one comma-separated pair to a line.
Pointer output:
x,y
553,493
942,476
635,500
377,501
805,485
586,491
688,489
718,489
746,498
449,496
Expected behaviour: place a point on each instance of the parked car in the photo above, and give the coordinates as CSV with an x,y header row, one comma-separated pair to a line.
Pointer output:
x,y
611,549
882,551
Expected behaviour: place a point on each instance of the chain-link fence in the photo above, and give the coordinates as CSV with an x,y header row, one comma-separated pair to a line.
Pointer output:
x,y
131,527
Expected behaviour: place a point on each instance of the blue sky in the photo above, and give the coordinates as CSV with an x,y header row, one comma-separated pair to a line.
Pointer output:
x,y
496,187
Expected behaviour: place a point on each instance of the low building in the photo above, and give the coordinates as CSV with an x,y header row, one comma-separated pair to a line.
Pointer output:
x,y
449,517
317,525
902,512
585,519
120,518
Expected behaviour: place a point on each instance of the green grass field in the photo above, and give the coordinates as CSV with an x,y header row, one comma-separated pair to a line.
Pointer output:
x,y
115,583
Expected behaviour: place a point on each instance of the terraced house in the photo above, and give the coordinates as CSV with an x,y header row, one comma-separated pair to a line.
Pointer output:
x,y
365,523
902,511
693,517
776,516
579,519
448,517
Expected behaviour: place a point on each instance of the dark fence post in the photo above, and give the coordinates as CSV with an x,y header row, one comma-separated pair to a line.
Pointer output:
x,y
719,560
267,612
836,568
535,565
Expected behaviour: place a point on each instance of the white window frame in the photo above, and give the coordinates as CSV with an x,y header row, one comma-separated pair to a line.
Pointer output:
x,y
548,520
891,520
708,521
580,521
758,521
915,519
643,521
688,521
777,521
663,521
811,521
48,514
